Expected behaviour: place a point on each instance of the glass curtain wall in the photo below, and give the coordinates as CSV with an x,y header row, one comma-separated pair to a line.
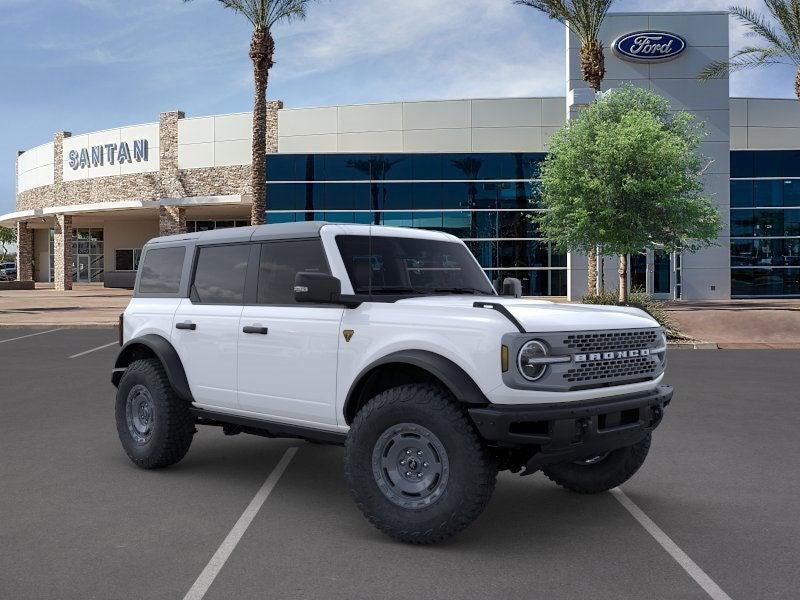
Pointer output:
x,y
765,223
484,199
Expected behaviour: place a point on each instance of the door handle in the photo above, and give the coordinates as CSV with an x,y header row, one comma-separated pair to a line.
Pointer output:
x,y
190,326
255,329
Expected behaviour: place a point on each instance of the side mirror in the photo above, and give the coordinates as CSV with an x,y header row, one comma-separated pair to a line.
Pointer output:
x,y
319,288
512,287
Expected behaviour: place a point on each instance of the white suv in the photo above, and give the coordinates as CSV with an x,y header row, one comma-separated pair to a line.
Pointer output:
x,y
393,343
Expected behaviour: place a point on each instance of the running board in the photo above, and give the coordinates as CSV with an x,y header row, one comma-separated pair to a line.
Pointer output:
x,y
269,429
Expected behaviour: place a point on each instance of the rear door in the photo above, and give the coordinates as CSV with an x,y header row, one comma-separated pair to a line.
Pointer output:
x,y
205,326
288,351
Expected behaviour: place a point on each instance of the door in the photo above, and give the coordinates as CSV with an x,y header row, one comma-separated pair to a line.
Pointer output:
x,y
288,352
83,269
206,325
662,270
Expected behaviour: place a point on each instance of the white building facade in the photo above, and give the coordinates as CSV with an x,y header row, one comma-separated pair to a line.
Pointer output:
x,y
87,203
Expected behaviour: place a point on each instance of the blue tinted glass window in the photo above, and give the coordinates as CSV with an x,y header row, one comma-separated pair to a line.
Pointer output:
x,y
340,196
426,166
282,196
457,223
427,220
397,219
742,164
791,192
768,163
528,164
396,196
281,167
311,196
742,223
765,282
426,195
790,165
367,218
791,222
461,166
273,217
346,167
768,193
455,195
495,166
741,194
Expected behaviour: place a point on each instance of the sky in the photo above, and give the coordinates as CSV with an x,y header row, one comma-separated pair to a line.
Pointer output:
x,y
86,65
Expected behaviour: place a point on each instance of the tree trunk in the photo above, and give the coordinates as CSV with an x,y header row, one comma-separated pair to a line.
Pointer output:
x,y
623,278
591,280
593,64
262,47
797,84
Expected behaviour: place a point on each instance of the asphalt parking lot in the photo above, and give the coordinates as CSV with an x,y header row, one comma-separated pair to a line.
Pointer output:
x,y
78,520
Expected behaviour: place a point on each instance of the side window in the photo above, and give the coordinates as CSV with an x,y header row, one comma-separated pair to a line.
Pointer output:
x,y
161,271
220,274
281,261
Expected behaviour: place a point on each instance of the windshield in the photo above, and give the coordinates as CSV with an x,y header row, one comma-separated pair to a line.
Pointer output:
x,y
399,265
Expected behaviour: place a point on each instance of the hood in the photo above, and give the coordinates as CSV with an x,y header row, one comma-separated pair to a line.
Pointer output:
x,y
541,316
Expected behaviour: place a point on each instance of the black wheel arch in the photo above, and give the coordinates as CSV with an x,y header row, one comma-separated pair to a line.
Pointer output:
x,y
407,366
154,346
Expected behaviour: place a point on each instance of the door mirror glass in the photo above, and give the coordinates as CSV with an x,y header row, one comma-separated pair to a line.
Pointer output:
x,y
319,288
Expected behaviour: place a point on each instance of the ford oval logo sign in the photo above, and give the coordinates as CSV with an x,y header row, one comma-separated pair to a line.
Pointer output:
x,y
649,46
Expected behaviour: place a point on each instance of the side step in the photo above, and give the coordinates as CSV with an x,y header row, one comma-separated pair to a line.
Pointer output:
x,y
269,429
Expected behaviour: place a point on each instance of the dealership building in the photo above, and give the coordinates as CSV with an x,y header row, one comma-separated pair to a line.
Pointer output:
x,y
86,204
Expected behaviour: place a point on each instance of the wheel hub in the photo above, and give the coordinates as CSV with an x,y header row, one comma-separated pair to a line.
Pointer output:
x,y
410,465
139,413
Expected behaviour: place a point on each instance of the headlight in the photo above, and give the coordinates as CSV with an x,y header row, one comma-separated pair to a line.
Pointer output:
x,y
528,360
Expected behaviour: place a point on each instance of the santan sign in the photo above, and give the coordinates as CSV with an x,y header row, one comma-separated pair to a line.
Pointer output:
x,y
97,156
649,46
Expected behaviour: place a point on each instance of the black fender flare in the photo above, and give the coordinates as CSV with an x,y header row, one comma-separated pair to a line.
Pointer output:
x,y
166,354
454,378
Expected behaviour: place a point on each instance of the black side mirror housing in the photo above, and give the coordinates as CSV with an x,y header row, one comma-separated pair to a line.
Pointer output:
x,y
512,287
319,288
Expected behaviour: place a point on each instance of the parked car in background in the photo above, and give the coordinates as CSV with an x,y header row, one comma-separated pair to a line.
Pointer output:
x,y
8,271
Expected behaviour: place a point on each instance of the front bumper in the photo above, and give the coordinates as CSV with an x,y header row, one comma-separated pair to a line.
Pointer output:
x,y
563,432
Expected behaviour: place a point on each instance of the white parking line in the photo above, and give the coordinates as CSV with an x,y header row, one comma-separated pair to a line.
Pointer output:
x,y
206,578
688,565
22,337
93,349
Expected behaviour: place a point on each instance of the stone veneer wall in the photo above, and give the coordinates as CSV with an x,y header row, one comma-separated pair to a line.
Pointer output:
x,y
62,250
24,248
169,182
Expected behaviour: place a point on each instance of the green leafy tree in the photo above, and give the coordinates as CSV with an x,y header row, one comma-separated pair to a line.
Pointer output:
x,y
584,19
263,15
8,236
626,175
778,40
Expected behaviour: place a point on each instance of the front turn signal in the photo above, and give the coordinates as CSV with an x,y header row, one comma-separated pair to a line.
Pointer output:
x,y
504,358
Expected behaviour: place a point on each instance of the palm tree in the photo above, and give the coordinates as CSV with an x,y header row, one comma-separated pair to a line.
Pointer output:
x,y
263,15
584,19
779,42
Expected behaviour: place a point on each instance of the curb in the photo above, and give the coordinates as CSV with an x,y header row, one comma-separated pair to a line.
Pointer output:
x,y
693,345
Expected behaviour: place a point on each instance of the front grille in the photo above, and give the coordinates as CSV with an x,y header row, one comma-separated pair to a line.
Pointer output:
x,y
611,340
618,369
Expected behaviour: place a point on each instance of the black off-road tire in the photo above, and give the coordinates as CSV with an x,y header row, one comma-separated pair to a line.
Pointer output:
x,y
172,425
470,475
613,470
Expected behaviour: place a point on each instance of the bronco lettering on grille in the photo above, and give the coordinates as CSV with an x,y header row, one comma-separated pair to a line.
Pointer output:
x,y
611,355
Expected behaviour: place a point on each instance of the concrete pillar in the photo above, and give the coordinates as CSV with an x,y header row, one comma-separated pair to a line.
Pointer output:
x,y
62,250
24,252
171,220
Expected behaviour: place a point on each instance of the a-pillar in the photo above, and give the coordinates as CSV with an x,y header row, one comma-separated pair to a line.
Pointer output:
x,y
171,219
62,252
24,252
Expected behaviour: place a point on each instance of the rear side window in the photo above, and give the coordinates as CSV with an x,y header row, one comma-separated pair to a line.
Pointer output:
x,y
161,270
220,274
281,261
